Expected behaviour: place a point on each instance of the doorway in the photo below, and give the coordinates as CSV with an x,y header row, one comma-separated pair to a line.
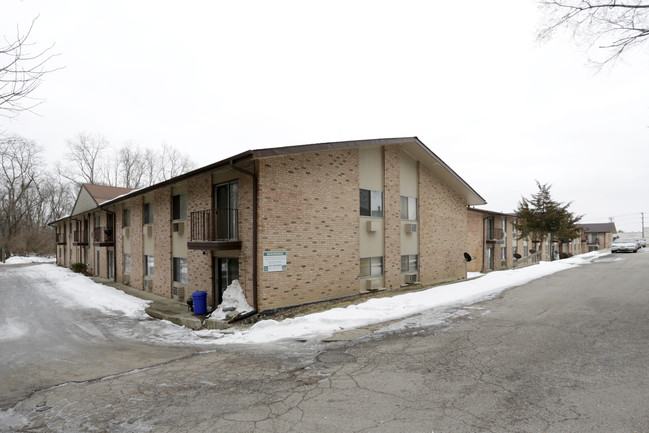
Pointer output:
x,y
226,271
111,265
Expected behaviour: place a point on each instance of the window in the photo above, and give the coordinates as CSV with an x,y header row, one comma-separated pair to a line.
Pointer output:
x,y
180,270
371,266
148,213
127,263
371,203
408,208
180,207
592,238
409,263
126,218
148,266
503,255
489,228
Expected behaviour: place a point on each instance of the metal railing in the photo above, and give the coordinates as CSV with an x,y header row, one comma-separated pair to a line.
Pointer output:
x,y
104,235
532,259
214,225
80,237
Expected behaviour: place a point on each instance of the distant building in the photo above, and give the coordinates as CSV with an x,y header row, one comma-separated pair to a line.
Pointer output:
x,y
597,236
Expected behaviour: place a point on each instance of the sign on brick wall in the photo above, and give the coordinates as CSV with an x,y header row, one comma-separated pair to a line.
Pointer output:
x,y
274,261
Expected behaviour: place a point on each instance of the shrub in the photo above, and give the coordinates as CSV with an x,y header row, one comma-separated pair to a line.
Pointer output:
x,y
79,267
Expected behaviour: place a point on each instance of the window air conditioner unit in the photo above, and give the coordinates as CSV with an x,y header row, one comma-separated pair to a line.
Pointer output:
x,y
178,227
178,292
373,285
149,230
411,228
373,226
411,278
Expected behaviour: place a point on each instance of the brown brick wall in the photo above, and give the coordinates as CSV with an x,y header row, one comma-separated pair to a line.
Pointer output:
x,y
199,265
137,246
162,241
246,186
308,207
119,242
443,221
474,240
392,217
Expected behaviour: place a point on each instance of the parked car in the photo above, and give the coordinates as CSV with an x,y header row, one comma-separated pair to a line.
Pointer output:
x,y
624,244
642,242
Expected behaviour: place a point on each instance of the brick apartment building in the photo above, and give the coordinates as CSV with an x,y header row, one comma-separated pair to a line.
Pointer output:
x,y
294,225
494,245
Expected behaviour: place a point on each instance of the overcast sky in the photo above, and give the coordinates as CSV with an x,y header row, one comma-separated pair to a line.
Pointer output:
x,y
215,78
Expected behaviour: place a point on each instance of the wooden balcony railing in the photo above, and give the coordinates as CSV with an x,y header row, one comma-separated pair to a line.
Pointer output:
x,y
80,238
104,236
214,229
494,235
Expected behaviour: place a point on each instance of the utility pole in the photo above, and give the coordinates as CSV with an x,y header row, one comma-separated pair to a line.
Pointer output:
x,y
642,213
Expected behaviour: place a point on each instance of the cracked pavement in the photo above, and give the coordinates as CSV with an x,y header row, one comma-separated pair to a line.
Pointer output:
x,y
565,353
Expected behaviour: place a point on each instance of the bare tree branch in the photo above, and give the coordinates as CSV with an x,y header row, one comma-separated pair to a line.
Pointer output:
x,y
608,27
21,73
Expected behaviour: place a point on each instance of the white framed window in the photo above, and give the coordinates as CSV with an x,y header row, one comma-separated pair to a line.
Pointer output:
x,y
409,263
148,213
148,265
179,205
127,263
408,208
371,203
180,270
371,266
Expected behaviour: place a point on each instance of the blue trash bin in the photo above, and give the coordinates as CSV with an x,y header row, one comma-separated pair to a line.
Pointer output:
x,y
200,302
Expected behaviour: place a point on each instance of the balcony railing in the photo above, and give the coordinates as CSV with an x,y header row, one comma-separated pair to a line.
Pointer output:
x,y
495,235
80,238
104,235
214,229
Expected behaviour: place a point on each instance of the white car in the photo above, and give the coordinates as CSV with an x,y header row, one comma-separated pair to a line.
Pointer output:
x,y
642,242
624,244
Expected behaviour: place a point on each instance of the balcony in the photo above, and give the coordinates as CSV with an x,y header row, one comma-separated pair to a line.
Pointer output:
x,y
61,239
495,236
214,229
104,237
80,238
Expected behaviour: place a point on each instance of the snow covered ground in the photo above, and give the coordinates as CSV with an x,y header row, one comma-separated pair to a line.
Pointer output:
x,y
422,308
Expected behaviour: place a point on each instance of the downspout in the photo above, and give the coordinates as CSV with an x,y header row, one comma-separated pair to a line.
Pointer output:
x,y
484,242
255,244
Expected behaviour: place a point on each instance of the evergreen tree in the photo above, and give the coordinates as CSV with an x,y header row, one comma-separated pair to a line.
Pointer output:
x,y
541,215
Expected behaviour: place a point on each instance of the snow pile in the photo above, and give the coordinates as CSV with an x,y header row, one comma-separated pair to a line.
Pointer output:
x,y
234,303
377,310
17,260
73,290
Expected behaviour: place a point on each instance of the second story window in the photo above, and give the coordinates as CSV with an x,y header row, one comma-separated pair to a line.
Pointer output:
x,y
408,208
180,207
126,218
371,203
148,213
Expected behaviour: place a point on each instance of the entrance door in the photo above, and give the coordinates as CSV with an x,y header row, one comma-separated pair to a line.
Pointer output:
x,y
111,265
226,271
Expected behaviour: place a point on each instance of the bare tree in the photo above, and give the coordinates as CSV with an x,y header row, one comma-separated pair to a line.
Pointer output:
x,y
613,27
173,163
21,72
20,166
85,153
132,166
